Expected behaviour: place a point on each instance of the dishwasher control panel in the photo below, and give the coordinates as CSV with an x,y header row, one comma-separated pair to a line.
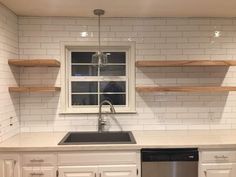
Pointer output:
x,y
169,155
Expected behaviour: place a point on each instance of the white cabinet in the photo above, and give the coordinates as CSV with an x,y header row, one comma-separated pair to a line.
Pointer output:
x,y
217,164
39,165
71,164
9,165
39,159
99,164
98,158
78,171
218,170
38,172
98,171
118,171
218,173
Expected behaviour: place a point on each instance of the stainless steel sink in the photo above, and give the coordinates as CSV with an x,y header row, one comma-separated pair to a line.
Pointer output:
x,y
73,138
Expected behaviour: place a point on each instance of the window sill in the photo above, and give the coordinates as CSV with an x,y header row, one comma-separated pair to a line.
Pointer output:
x,y
95,111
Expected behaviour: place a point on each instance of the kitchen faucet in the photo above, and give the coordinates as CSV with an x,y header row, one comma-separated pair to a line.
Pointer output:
x,y
101,121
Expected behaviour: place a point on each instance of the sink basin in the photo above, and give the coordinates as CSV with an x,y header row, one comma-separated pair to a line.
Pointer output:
x,y
73,138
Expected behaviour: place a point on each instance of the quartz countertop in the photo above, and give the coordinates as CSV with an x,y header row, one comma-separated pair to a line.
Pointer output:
x,y
48,141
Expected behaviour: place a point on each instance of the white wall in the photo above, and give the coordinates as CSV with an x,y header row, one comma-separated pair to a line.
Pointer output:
x,y
9,103
156,39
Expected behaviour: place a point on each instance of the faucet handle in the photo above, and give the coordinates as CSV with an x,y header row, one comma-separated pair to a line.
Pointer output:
x,y
112,110
103,122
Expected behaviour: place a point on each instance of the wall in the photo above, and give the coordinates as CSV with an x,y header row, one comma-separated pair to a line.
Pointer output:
x,y
9,103
156,39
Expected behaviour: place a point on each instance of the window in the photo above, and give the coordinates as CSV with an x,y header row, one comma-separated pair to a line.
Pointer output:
x,y
86,84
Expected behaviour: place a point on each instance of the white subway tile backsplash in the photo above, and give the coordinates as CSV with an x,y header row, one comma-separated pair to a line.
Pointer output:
x,y
154,21
52,27
171,34
121,28
166,28
199,39
156,39
29,27
28,45
194,51
172,52
142,28
188,28
9,103
63,21
177,21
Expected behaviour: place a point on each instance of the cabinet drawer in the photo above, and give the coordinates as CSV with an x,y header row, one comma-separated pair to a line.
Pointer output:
x,y
38,172
39,159
97,158
219,156
217,170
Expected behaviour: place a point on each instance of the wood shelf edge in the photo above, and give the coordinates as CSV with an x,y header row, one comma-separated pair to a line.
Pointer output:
x,y
34,89
185,89
180,63
34,62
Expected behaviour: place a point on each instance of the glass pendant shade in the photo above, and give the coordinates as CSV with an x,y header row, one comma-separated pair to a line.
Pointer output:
x,y
99,58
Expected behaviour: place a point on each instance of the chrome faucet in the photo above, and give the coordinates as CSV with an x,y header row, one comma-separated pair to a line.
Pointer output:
x,y
101,121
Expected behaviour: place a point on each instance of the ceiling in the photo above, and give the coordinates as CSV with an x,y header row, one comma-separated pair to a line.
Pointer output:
x,y
124,8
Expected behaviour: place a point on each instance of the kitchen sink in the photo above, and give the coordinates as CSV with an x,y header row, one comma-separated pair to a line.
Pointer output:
x,y
74,138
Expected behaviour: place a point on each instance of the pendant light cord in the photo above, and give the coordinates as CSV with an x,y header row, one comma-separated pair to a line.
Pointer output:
x,y
99,37
99,58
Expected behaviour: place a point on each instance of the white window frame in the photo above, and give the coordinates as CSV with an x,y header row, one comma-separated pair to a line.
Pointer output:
x,y
67,47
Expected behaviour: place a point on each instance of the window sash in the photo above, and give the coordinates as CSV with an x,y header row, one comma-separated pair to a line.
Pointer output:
x,y
96,79
84,46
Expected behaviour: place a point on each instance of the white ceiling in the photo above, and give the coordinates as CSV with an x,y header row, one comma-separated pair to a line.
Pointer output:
x,y
124,8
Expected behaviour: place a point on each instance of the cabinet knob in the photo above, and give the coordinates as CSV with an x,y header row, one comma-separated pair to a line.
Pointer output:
x,y
37,160
36,174
221,157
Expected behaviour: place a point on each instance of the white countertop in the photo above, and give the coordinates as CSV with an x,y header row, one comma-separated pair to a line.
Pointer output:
x,y
145,139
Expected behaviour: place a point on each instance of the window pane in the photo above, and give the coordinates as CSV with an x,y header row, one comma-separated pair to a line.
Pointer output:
x,y
112,86
86,57
112,70
78,87
115,99
81,57
116,57
84,70
85,99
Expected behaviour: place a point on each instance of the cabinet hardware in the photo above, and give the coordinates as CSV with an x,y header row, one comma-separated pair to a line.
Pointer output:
x,y
137,172
11,124
13,168
37,160
36,174
221,157
57,173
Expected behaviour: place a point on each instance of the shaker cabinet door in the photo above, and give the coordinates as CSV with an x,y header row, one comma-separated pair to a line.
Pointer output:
x,y
118,171
9,165
217,170
78,171
218,173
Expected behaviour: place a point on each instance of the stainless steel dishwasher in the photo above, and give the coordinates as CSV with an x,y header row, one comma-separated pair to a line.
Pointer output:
x,y
169,162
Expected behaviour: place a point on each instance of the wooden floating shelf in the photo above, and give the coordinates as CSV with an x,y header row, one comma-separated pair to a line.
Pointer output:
x,y
150,89
34,62
33,89
181,63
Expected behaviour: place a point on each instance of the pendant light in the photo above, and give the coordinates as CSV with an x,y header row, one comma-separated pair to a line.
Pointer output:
x,y
99,58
